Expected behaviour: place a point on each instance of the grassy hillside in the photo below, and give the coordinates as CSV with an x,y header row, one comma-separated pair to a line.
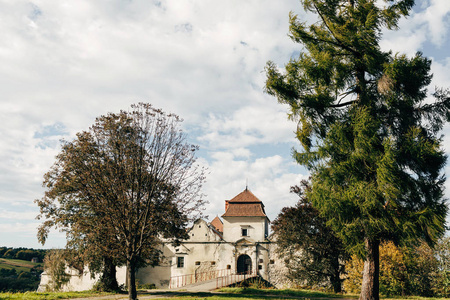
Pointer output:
x,y
19,265
19,275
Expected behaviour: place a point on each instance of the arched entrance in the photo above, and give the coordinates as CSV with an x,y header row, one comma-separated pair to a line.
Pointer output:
x,y
244,264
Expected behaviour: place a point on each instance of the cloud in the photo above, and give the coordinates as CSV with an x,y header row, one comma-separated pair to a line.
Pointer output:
x,y
16,215
269,178
248,125
440,74
430,23
64,63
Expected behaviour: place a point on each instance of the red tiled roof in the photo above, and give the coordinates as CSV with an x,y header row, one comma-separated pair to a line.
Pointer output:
x,y
245,196
217,223
245,205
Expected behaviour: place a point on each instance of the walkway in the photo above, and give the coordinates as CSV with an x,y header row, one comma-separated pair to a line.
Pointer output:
x,y
207,281
210,285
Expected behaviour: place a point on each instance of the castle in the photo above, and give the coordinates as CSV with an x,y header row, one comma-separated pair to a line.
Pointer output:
x,y
237,243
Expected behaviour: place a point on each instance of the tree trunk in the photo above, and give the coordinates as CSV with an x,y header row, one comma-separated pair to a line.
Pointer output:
x,y
108,279
335,278
131,279
370,289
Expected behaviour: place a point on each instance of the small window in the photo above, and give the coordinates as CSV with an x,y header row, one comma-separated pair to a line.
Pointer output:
x,y
192,234
180,262
199,226
244,232
272,262
213,263
197,263
259,267
228,267
261,260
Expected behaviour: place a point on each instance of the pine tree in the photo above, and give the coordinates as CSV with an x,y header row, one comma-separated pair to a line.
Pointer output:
x,y
370,136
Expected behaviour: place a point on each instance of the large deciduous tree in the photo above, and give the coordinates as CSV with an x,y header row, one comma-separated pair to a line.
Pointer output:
x,y
122,185
313,253
370,137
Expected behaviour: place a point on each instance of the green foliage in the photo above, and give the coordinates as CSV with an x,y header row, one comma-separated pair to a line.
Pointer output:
x,y
120,186
22,253
147,286
55,266
313,254
50,295
441,283
369,138
403,271
18,275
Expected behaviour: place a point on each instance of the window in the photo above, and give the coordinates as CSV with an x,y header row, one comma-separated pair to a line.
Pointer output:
x,y
197,263
272,262
259,267
213,263
180,262
261,260
244,232
228,267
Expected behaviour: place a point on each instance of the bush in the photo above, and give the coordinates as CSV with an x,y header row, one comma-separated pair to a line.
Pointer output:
x,y
403,271
147,286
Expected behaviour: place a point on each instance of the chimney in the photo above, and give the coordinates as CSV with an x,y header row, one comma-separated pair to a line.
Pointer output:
x,y
226,205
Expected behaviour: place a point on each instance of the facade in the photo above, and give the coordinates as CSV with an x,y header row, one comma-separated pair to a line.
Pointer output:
x,y
237,243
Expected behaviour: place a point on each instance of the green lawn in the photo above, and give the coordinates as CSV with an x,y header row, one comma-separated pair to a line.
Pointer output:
x,y
222,294
284,292
50,296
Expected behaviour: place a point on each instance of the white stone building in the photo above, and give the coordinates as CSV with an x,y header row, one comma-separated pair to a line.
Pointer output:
x,y
237,243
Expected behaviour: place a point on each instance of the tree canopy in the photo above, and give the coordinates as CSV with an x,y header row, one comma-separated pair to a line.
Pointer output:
x,y
312,252
369,133
121,186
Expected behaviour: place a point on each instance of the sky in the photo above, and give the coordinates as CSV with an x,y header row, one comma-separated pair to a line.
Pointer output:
x,y
64,63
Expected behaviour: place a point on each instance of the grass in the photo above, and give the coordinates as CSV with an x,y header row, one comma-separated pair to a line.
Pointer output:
x,y
295,293
19,265
51,295
238,293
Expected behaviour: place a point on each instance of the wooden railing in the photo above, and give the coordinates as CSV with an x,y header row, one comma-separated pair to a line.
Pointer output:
x,y
226,280
182,280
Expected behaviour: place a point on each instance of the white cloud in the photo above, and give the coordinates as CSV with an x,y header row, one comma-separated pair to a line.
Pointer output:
x,y
436,17
430,24
440,70
66,62
268,178
249,125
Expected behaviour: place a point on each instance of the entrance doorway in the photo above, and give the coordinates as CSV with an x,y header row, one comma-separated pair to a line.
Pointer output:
x,y
244,264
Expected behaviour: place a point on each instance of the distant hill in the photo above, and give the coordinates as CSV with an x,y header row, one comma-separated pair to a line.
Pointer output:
x,y
17,272
23,253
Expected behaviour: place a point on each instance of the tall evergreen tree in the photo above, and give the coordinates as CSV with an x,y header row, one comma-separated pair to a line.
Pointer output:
x,y
369,135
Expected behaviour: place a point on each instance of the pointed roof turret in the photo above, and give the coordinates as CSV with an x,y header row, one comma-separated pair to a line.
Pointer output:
x,y
245,196
244,204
